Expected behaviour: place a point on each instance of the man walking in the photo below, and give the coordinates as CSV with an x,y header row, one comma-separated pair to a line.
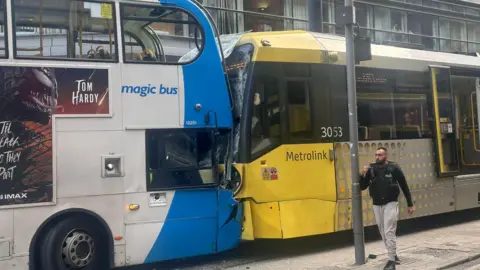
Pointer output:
x,y
384,180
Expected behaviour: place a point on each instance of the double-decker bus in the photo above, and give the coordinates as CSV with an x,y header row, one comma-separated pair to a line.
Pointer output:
x,y
110,137
292,155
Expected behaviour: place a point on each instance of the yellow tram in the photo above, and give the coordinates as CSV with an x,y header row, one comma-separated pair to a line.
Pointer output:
x,y
292,151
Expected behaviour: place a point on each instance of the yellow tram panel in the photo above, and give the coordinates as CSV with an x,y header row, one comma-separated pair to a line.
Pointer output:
x,y
303,171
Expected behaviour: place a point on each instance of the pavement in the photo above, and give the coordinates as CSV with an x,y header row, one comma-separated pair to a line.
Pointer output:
x,y
449,241
471,265
442,248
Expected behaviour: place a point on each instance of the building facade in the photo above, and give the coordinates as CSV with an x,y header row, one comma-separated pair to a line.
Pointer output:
x,y
438,25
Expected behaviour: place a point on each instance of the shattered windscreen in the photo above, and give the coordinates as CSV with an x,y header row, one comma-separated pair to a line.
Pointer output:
x,y
238,71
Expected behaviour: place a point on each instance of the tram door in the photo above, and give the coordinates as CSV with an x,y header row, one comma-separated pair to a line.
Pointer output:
x,y
444,121
466,95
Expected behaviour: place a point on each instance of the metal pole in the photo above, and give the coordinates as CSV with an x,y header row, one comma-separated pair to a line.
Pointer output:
x,y
357,215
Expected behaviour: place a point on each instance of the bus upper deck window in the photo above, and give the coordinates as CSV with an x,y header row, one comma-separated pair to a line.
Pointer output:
x,y
3,30
159,35
68,29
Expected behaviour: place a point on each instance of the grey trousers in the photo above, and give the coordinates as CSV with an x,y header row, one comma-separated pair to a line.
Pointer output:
x,y
386,217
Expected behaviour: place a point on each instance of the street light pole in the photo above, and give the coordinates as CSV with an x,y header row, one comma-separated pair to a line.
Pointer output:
x,y
357,215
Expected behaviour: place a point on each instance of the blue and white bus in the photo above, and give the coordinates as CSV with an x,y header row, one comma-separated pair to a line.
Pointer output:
x,y
113,118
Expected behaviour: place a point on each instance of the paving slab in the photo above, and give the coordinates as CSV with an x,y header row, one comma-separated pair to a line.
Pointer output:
x,y
435,249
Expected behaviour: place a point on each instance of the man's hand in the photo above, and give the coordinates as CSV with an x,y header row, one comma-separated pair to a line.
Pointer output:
x,y
411,210
365,169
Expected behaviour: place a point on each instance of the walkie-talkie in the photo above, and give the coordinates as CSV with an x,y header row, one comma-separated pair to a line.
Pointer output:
x,y
371,169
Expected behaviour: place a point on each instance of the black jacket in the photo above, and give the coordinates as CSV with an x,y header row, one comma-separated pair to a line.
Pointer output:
x,y
383,184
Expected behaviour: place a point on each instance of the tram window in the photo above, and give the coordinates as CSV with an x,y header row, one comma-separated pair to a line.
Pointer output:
x,y
330,110
266,129
179,158
297,70
67,29
166,35
300,121
474,111
392,104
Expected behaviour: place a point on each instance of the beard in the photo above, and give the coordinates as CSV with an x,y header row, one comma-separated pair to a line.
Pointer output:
x,y
380,162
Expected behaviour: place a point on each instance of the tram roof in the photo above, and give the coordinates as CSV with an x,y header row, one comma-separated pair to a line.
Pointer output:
x,y
310,47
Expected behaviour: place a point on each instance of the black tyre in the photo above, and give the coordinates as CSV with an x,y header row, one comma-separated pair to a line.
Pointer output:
x,y
74,243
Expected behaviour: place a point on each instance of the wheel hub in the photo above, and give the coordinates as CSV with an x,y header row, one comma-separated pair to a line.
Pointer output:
x,y
78,249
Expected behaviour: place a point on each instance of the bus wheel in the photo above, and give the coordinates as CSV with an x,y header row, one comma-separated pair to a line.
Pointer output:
x,y
74,243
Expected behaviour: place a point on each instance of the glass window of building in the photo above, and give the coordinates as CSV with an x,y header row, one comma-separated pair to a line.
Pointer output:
x,y
452,34
328,17
474,12
232,16
227,14
428,29
415,2
283,8
297,9
421,30
328,14
274,7
397,27
389,25
364,15
473,34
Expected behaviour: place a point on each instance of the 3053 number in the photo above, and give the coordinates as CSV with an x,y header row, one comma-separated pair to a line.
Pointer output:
x,y
332,132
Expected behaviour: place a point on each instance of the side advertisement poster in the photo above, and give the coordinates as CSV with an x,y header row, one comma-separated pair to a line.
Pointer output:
x,y
29,97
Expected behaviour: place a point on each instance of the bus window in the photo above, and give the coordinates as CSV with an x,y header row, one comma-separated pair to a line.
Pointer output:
x,y
133,48
3,30
179,159
68,29
165,34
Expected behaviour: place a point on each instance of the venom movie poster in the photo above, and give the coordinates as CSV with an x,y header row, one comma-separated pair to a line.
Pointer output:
x,y
29,96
